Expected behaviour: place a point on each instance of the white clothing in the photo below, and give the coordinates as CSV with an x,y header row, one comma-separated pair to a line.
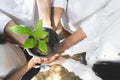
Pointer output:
x,y
100,21
19,11
11,58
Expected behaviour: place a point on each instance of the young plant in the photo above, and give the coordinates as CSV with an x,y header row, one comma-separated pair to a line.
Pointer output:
x,y
37,37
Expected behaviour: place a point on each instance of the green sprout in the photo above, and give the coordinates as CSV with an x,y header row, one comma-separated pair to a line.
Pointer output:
x,y
37,37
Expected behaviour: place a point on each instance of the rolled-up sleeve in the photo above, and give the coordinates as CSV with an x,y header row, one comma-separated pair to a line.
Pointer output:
x,y
59,3
4,19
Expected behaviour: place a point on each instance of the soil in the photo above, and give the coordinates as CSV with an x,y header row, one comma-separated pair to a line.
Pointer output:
x,y
57,72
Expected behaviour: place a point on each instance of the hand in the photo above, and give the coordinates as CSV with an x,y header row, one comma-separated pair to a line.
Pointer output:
x,y
51,59
34,61
60,61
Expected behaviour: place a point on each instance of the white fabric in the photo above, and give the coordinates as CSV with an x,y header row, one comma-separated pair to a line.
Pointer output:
x,y
59,3
79,10
83,71
19,11
11,58
100,20
4,20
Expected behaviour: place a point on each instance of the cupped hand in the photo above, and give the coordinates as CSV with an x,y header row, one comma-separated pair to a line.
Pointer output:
x,y
50,59
34,60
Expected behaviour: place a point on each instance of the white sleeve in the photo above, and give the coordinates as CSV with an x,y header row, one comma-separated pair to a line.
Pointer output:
x,y
99,22
4,19
59,3
94,25
83,71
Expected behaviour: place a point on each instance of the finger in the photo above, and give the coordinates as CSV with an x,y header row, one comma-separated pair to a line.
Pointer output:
x,y
42,60
38,60
46,60
56,56
53,58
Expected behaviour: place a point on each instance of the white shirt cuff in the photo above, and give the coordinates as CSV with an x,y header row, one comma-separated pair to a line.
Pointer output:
x,y
59,3
3,21
45,25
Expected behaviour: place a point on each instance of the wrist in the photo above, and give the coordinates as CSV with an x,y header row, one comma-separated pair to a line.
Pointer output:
x,y
31,64
34,61
47,25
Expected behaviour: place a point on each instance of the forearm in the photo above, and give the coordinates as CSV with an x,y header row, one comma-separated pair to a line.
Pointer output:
x,y
44,10
12,37
56,14
66,33
19,73
72,40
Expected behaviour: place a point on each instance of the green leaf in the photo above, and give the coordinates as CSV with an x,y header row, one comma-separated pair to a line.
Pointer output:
x,y
40,34
21,29
42,46
29,43
46,39
38,25
36,34
43,34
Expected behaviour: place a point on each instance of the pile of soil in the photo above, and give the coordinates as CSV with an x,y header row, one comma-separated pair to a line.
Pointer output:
x,y
57,72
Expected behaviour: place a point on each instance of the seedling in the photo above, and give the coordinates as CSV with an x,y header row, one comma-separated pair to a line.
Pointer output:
x,y
37,36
